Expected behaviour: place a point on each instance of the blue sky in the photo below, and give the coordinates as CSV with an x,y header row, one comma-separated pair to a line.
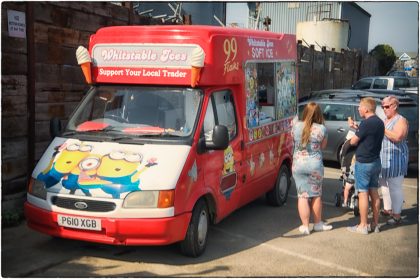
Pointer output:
x,y
393,23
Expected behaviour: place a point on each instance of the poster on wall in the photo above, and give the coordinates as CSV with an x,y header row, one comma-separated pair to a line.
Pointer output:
x,y
251,78
259,77
285,90
16,24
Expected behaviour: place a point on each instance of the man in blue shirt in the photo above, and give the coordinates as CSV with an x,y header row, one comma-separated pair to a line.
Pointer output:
x,y
368,138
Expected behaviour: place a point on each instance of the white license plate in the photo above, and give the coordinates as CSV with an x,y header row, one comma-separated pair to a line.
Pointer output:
x,y
79,222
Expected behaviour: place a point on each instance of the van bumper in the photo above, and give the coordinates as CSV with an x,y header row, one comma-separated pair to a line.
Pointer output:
x,y
154,231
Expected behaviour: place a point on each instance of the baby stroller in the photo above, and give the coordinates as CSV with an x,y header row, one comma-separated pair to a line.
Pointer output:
x,y
347,161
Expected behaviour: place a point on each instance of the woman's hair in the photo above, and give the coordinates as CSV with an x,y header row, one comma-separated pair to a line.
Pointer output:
x,y
392,100
311,114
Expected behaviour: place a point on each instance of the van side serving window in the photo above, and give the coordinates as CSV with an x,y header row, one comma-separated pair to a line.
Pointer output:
x,y
220,111
270,90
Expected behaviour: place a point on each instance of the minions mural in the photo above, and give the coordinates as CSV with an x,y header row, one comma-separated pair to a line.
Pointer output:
x,y
228,165
77,169
64,160
228,180
84,175
121,171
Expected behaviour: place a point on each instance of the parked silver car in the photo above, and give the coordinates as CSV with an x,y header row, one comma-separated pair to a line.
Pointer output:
x,y
338,104
396,73
382,82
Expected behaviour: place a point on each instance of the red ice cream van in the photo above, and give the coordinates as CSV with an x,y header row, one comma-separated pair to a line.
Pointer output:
x,y
181,126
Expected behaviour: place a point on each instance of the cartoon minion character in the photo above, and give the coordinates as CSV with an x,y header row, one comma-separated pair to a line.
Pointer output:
x,y
84,176
67,158
228,166
121,170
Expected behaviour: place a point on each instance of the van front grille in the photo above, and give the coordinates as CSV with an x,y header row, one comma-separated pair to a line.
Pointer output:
x,y
83,205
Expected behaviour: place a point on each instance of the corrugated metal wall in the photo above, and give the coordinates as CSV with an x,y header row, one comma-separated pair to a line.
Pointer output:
x,y
285,15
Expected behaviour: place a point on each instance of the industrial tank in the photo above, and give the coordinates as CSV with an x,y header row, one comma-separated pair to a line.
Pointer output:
x,y
331,33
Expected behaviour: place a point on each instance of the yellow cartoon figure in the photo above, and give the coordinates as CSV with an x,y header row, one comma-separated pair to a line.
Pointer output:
x,y
71,157
67,158
228,166
84,176
122,170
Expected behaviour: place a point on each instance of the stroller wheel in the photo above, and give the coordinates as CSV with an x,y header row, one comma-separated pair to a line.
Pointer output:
x,y
337,199
356,207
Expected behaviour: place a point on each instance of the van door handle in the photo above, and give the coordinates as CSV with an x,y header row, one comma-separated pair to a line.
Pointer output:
x,y
341,130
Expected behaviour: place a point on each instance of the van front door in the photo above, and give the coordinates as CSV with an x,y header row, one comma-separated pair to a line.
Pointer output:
x,y
222,168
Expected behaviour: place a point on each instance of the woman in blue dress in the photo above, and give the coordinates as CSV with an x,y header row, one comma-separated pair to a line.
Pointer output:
x,y
309,137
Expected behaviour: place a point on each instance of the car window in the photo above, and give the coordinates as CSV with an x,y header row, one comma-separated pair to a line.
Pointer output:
x,y
397,74
363,84
336,112
414,82
220,111
410,113
380,83
401,83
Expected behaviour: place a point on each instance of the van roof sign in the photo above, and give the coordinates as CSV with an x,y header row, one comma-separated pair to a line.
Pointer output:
x,y
183,55
143,55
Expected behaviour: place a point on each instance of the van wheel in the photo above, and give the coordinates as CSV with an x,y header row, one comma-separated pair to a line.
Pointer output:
x,y
278,195
195,240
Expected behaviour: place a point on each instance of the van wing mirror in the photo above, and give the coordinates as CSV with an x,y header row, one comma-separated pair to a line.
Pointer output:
x,y
220,138
55,127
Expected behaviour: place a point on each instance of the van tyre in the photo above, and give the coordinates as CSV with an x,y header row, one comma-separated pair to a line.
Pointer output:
x,y
195,240
278,195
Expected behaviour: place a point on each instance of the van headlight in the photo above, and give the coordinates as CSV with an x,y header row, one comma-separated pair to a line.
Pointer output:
x,y
37,188
149,199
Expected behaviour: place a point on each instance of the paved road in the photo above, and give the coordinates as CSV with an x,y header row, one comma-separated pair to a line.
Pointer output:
x,y
255,241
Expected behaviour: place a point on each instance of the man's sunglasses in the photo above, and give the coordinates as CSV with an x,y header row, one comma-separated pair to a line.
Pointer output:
x,y
386,107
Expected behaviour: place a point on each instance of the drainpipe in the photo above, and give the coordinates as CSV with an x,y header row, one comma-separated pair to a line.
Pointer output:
x,y
30,41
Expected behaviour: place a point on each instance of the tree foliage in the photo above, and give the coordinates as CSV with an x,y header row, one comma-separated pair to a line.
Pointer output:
x,y
386,57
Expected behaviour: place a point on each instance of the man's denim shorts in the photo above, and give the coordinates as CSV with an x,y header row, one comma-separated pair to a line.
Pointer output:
x,y
367,175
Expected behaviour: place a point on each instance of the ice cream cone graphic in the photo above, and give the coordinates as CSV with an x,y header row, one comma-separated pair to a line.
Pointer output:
x,y
195,75
84,60
197,63
86,72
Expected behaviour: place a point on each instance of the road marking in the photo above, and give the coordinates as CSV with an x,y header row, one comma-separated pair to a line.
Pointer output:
x,y
294,254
